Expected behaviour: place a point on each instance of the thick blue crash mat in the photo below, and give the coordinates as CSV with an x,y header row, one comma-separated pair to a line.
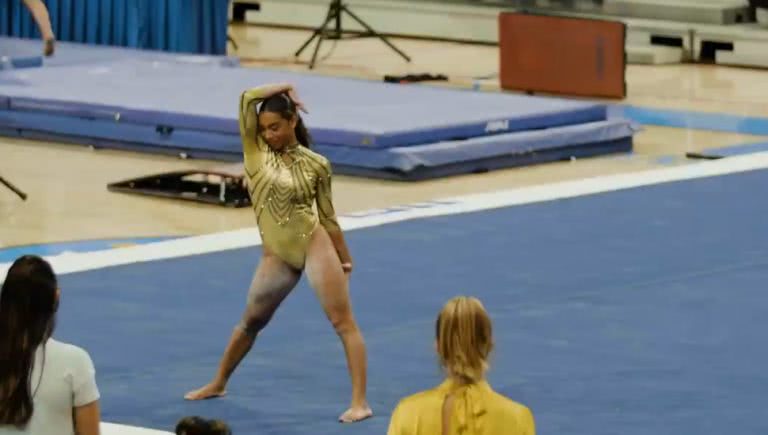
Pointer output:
x,y
411,163
342,111
158,103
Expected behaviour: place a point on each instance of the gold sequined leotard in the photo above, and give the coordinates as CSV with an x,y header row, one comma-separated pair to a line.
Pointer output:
x,y
283,194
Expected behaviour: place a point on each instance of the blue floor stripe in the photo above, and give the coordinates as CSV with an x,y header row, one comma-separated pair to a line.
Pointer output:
x,y
693,120
734,150
48,249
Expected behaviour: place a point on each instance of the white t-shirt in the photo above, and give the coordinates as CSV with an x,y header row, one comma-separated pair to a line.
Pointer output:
x,y
68,381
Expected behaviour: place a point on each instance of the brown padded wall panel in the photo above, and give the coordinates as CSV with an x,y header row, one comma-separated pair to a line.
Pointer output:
x,y
561,55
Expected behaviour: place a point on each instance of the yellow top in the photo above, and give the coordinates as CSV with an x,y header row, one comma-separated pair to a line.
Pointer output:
x,y
477,410
283,194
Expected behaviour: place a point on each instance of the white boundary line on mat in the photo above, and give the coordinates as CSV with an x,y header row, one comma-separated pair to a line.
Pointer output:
x,y
120,429
244,238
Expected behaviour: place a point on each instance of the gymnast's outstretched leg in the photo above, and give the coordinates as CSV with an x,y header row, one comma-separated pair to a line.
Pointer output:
x,y
331,284
272,282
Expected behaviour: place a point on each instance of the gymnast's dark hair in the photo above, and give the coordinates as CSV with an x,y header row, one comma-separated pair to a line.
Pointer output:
x,y
194,425
28,307
283,104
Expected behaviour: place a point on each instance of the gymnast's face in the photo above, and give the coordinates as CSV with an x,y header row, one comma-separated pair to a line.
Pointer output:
x,y
278,130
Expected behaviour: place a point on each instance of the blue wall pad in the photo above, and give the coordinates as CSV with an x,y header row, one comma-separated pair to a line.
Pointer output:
x,y
736,150
342,111
73,53
198,26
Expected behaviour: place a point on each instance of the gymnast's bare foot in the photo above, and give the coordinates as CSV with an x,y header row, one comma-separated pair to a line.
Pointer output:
x,y
210,391
49,47
355,414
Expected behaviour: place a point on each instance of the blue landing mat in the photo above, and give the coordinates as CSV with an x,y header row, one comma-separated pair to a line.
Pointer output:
x,y
484,154
403,163
71,53
634,312
342,111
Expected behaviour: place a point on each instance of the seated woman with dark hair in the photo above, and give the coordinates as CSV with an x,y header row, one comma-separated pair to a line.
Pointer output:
x,y
46,386
200,426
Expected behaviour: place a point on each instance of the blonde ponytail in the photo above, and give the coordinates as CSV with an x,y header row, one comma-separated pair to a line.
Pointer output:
x,y
464,339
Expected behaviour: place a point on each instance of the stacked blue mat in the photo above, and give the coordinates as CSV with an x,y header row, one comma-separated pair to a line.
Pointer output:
x,y
18,53
158,102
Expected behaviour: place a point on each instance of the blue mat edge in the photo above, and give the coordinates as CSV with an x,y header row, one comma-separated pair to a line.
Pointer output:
x,y
420,173
18,62
100,129
480,129
216,124
616,146
152,135
400,157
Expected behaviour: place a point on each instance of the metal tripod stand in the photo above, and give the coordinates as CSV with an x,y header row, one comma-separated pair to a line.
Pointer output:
x,y
335,11
13,188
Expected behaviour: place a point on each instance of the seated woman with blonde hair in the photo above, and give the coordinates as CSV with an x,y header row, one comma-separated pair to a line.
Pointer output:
x,y
464,403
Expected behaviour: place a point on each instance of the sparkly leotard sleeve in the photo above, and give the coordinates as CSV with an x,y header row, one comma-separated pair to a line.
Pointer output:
x,y
284,194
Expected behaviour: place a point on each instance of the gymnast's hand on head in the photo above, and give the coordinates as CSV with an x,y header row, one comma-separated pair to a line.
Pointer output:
x,y
295,98
288,89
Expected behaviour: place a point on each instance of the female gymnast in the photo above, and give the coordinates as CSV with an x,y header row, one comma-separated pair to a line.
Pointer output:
x,y
43,20
285,180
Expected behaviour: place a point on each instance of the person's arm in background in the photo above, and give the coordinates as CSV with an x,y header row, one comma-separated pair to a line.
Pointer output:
x,y
43,20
